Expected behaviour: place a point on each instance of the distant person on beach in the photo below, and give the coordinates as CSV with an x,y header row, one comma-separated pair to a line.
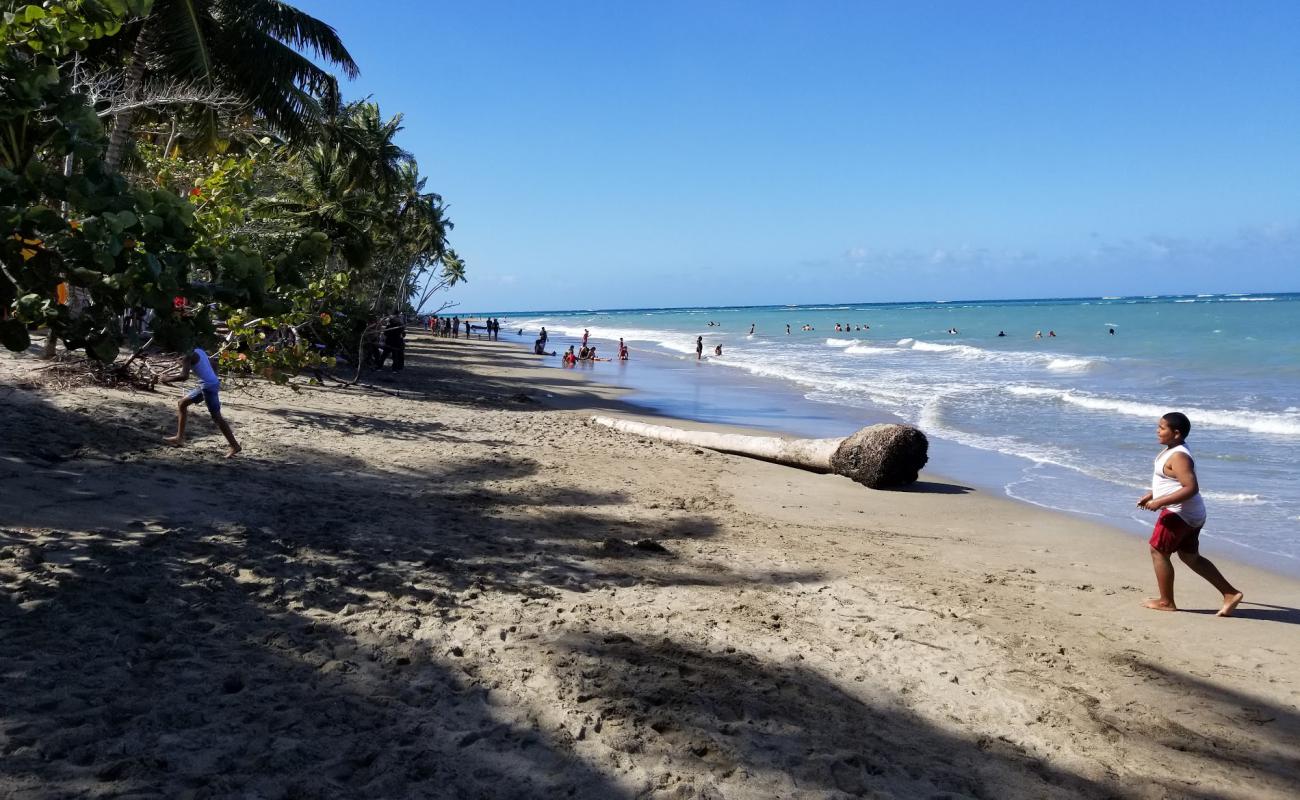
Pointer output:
x,y
787,329
543,335
394,343
1051,334
585,334
208,391
699,347
622,350
1038,334
1112,331
1176,494
1002,333
717,350
751,329
569,358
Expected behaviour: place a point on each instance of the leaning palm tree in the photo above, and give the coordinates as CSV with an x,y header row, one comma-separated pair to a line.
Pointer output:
x,y
248,48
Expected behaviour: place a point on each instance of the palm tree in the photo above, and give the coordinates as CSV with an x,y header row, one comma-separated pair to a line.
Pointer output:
x,y
249,48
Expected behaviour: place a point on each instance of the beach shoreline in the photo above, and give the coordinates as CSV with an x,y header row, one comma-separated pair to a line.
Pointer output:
x,y
456,584
988,472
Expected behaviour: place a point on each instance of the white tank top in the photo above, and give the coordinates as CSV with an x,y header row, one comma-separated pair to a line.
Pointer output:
x,y
1192,510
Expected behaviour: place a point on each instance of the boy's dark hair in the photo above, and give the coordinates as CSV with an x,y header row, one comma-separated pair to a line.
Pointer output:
x,y
1179,422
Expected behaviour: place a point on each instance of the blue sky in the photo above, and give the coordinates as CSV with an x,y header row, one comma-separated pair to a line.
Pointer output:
x,y
633,154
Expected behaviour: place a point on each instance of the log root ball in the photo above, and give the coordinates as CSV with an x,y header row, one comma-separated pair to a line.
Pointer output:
x,y
882,456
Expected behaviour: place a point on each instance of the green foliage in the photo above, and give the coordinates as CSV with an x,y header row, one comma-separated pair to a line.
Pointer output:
x,y
65,217
296,246
60,27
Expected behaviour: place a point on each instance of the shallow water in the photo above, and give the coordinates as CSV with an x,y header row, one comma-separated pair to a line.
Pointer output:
x,y
1064,421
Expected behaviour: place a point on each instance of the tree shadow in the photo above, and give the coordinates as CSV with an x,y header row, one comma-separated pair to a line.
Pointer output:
x,y
782,729
1258,738
174,623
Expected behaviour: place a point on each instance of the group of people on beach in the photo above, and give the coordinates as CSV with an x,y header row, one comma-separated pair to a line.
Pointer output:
x,y
449,327
586,352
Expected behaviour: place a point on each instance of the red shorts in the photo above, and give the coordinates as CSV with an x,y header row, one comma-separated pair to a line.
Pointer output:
x,y
1172,534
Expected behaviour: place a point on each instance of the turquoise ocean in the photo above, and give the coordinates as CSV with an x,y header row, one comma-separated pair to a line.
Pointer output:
x,y
1065,421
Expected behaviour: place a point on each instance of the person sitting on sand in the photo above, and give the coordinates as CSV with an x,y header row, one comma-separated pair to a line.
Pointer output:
x,y
582,353
208,391
1176,494
569,358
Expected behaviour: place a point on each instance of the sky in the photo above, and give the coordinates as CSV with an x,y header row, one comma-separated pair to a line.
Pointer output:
x,y
619,154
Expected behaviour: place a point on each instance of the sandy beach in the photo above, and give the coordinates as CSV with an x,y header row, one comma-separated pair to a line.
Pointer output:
x,y
457,587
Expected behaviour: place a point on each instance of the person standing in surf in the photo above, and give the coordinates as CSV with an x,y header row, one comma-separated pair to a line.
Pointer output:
x,y
699,347
1176,494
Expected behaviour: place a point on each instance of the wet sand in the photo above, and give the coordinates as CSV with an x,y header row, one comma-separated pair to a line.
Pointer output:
x,y
458,588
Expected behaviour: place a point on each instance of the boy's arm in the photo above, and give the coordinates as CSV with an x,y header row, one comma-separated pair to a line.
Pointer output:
x,y
1185,473
185,371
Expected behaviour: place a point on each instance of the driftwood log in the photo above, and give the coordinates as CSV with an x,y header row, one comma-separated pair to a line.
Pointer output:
x,y
878,456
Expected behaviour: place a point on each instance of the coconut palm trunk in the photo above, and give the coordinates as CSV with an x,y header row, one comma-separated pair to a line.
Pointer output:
x,y
877,456
122,119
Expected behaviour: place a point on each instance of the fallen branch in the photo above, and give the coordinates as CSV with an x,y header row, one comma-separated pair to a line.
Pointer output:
x,y
878,456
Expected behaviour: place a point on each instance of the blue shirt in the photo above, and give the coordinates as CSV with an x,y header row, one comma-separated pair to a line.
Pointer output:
x,y
203,368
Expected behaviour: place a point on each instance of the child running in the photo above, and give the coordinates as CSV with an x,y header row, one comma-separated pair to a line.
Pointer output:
x,y
208,391
1176,494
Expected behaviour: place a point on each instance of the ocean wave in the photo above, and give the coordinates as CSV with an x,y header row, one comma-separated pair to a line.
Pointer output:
x,y
840,342
1283,424
1239,498
864,350
1070,364
1055,362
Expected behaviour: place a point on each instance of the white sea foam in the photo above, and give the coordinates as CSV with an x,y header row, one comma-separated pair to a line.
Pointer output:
x,y
1239,498
865,350
1282,424
1070,364
1184,301
1016,358
840,342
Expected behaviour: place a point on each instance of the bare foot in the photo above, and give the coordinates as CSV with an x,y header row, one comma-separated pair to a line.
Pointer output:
x,y
233,451
174,441
1157,604
1230,602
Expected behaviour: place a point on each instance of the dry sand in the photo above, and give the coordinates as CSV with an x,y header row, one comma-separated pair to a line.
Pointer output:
x,y
438,593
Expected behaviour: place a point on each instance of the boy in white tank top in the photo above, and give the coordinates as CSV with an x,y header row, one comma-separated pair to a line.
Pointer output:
x,y
1176,494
